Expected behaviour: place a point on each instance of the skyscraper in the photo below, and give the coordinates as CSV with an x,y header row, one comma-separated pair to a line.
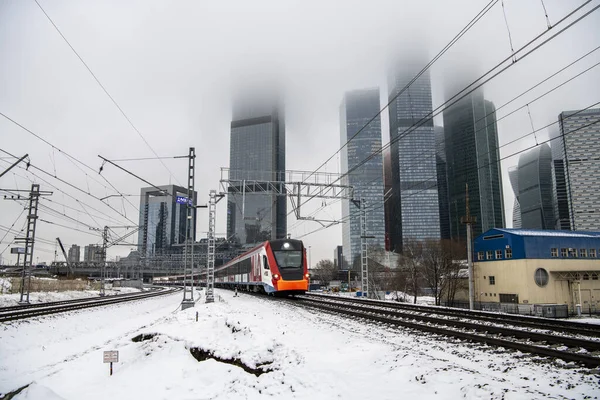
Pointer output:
x,y
580,144
92,252
413,158
257,152
442,180
357,108
534,188
163,218
513,175
472,156
560,200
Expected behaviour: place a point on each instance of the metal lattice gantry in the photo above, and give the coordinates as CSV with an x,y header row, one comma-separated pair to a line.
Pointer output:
x,y
29,240
210,265
296,185
188,282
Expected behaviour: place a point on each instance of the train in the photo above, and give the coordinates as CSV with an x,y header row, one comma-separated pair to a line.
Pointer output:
x,y
274,267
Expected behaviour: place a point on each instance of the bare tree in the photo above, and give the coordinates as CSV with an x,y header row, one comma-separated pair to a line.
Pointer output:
x,y
411,265
325,271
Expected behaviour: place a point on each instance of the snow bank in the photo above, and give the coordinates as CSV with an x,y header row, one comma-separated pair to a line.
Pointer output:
x,y
310,355
7,300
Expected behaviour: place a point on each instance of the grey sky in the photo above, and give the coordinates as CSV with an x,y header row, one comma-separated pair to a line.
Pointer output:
x,y
171,66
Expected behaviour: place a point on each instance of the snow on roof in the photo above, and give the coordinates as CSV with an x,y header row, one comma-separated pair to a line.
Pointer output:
x,y
550,233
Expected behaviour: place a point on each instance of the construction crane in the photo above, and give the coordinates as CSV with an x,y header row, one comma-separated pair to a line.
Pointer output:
x,y
69,266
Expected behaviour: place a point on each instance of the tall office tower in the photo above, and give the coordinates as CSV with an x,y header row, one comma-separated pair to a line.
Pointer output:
x,y
163,218
74,253
413,155
559,184
473,158
442,180
357,108
388,207
535,188
257,153
513,175
580,144
92,252
338,257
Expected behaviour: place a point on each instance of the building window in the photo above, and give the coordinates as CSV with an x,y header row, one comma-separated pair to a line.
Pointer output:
x,y
594,277
563,253
486,295
586,277
541,277
583,253
508,253
554,252
480,256
495,295
498,254
573,253
489,254
592,253
492,280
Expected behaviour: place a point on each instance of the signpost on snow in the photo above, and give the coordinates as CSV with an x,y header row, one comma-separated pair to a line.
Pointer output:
x,y
111,357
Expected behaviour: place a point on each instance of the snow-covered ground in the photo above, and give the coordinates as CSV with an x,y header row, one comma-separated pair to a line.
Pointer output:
x,y
7,300
310,355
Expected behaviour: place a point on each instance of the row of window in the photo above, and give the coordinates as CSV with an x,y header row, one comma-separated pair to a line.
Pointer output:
x,y
489,255
573,253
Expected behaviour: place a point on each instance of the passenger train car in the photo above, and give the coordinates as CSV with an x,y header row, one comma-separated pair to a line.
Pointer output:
x,y
273,267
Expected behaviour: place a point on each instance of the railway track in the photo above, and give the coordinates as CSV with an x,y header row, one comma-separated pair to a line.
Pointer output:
x,y
540,337
35,310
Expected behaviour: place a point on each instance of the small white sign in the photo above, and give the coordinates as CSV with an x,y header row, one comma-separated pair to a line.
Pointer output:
x,y
111,356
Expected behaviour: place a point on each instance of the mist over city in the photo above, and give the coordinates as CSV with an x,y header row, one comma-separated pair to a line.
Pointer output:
x,y
429,154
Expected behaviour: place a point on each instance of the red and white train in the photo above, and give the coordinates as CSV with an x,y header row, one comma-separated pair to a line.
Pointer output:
x,y
273,267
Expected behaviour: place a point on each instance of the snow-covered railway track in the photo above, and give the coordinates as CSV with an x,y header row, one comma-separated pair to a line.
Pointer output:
x,y
531,322
548,345
35,310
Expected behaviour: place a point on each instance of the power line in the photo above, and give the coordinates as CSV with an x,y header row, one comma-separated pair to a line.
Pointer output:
x,y
471,87
462,32
105,91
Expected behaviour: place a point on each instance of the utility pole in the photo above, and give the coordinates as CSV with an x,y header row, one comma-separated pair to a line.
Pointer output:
x,y
188,287
364,261
469,221
29,240
210,262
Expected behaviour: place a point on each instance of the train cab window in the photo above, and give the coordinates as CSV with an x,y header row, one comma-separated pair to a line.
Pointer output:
x,y
265,263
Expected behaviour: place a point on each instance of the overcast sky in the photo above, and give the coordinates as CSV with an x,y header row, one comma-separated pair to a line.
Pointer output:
x,y
171,66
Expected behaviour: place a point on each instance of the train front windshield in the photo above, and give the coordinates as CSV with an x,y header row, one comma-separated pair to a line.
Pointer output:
x,y
288,258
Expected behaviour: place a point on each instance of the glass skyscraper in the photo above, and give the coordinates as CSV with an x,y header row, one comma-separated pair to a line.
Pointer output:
x,y
416,207
513,175
534,188
357,108
163,218
257,153
472,156
442,180
579,143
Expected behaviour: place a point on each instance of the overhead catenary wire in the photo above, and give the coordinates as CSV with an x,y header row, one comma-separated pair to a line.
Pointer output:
x,y
371,207
476,84
461,33
105,90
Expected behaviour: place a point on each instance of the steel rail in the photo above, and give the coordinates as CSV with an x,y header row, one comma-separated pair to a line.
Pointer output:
x,y
585,359
54,309
519,320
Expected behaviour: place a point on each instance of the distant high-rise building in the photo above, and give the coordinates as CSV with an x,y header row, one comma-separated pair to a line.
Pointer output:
x,y
338,257
388,201
413,157
472,156
534,186
74,254
442,181
579,142
513,175
163,216
92,252
357,109
257,153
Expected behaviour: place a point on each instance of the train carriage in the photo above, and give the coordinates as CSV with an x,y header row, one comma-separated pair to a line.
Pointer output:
x,y
273,267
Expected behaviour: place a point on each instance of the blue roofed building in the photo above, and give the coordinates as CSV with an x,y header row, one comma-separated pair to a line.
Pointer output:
x,y
526,266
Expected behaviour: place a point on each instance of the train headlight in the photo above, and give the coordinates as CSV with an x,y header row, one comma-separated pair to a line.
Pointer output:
x,y
276,277
307,276
286,245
